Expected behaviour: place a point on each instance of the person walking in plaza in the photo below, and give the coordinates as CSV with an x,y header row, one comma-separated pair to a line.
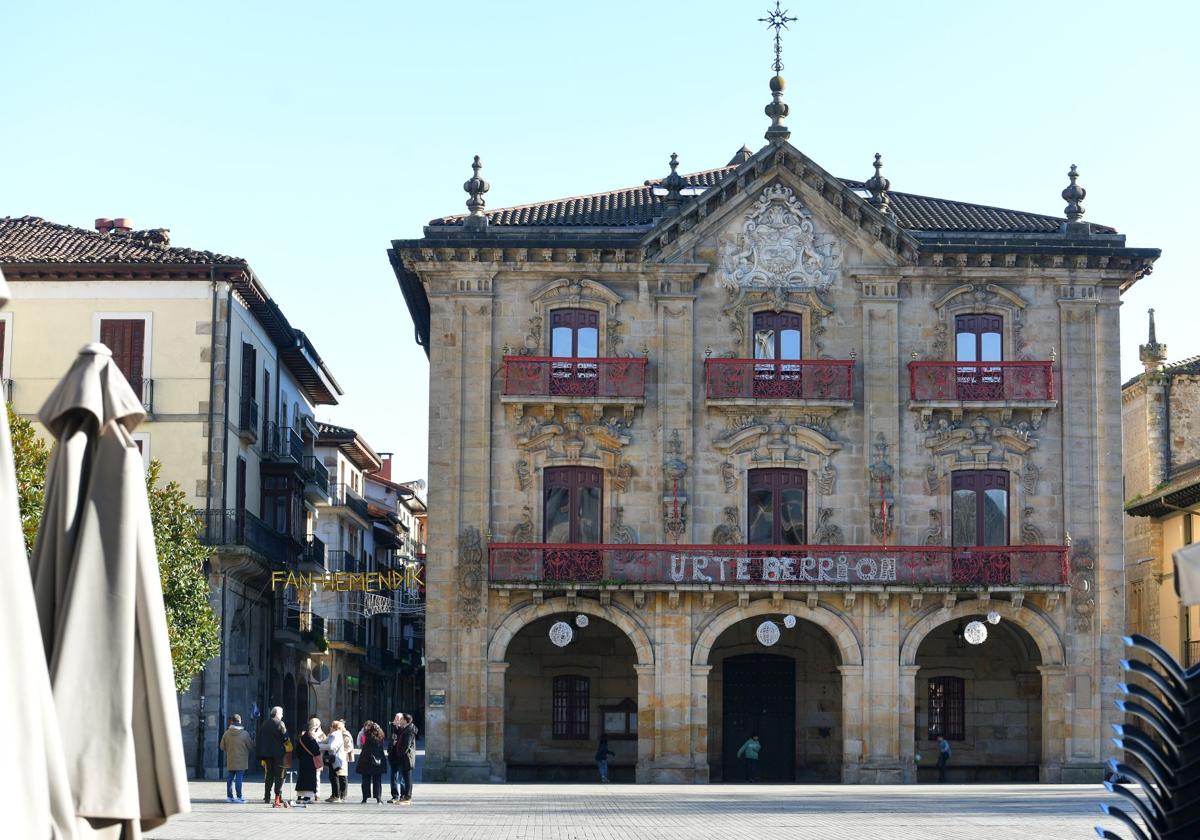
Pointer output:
x,y
371,761
749,755
393,754
407,754
338,746
943,758
237,744
271,747
308,773
602,754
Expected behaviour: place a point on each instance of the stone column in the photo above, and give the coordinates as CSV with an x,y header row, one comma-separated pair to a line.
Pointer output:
x,y
1054,723
700,721
907,710
853,703
495,720
460,412
673,684
646,721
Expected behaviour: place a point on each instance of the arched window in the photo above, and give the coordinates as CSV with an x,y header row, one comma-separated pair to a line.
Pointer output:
x,y
571,709
777,507
777,338
978,338
574,335
979,507
571,505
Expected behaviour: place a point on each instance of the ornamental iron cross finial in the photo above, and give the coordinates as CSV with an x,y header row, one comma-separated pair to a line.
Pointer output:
x,y
777,20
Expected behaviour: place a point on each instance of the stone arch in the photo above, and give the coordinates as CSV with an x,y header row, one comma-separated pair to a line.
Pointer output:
x,y
518,618
1038,626
831,621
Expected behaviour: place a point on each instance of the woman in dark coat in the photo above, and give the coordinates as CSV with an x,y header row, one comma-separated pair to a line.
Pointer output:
x,y
371,762
308,761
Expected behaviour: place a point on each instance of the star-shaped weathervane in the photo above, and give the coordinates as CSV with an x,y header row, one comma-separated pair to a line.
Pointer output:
x,y
777,20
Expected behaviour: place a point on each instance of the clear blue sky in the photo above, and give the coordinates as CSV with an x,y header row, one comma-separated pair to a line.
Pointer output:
x,y
304,136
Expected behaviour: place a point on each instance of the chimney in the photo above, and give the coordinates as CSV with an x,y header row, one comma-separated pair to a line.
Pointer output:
x,y
385,472
122,225
104,225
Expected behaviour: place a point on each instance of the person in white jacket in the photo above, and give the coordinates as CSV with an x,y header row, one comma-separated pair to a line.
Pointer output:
x,y
337,746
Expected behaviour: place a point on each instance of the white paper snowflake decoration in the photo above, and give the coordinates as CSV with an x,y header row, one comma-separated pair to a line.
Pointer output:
x,y
789,621
581,620
993,617
561,633
975,633
768,633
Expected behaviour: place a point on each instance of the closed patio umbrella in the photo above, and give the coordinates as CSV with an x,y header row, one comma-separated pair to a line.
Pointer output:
x,y
38,771
99,600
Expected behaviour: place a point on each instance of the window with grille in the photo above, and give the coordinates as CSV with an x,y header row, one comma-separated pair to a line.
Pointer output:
x,y
947,708
571,718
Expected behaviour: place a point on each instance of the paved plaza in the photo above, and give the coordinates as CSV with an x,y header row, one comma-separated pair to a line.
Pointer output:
x,y
663,812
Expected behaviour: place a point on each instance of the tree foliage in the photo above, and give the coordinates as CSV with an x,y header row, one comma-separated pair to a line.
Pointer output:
x,y
30,456
192,626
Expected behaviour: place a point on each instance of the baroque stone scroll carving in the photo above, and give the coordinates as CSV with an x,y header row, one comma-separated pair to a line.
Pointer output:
x,y
470,576
728,532
827,532
778,247
1083,584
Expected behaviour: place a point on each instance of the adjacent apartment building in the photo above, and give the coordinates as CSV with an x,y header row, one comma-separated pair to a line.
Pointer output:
x,y
231,389
761,449
1161,408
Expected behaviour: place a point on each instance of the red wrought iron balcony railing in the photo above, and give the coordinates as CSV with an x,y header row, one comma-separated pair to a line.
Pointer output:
x,y
734,565
779,379
981,381
553,376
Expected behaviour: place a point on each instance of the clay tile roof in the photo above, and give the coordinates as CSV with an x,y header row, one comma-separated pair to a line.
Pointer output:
x,y
626,207
30,239
639,207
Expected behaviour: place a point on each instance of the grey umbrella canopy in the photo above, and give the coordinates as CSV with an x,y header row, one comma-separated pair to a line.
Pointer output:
x,y
99,601
40,775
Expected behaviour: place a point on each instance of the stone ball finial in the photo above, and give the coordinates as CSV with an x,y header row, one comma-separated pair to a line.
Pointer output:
x,y
777,109
1074,195
475,187
878,186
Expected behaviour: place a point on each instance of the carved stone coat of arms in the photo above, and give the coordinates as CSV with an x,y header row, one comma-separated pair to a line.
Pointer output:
x,y
778,248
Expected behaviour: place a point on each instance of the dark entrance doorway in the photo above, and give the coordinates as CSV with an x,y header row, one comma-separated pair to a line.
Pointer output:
x,y
759,695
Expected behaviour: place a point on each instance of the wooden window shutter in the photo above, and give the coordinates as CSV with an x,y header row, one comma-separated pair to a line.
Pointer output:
x,y
126,338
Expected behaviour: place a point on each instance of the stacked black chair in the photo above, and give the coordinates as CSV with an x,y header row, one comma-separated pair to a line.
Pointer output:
x,y
1165,755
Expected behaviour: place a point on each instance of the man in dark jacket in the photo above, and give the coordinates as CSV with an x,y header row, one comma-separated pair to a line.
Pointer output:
x,y
269,746
406,754
393,754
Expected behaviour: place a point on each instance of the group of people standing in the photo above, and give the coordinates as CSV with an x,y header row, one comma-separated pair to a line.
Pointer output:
x,y
372,753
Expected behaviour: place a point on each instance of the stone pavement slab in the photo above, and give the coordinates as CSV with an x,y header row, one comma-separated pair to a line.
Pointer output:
x,y
663,812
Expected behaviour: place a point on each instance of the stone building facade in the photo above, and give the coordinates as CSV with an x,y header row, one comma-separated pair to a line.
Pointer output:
x,y
1161,416
757,444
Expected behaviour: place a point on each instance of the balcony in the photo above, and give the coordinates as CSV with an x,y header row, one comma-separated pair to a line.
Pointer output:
x,y
282,444
287,621
248,420
340,560
240,528
564,380
316,480
342,496
144,388
708,566
344,633
978,385
817,382
313,558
